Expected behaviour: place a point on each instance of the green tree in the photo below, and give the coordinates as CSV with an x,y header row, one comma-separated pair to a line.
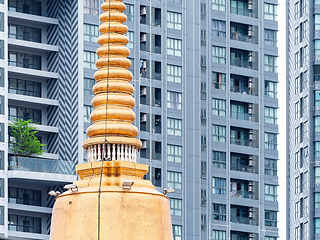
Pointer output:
x,y
23,139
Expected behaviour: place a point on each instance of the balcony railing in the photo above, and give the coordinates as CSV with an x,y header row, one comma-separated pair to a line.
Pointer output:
x,y
40,165
242,142
242,220
241,168
157,49
241,116
240,63
242,194
242,38
24,228
157,76
242,90
241,11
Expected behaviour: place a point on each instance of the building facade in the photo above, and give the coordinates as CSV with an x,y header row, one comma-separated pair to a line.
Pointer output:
x,y
205,79
303,144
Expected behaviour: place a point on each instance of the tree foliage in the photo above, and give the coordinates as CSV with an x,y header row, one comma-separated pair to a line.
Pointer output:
x,y
23,139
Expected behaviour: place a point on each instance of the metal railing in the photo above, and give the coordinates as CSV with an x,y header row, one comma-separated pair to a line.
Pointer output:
x,y
242,90
241,116
242,142
24,228
242,220
242,194
41,165
241,168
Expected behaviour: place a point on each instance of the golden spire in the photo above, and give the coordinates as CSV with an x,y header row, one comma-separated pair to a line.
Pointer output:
x,y
113,87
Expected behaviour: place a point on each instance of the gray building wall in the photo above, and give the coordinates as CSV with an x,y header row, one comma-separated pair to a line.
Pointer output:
x,y
302,85
242,182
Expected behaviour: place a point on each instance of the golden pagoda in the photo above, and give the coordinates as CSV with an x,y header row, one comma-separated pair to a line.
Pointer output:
x,y
111,200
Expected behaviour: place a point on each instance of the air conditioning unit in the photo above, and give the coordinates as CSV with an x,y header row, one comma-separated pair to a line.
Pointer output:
x,y
250,187
250,108
143,64
250,31
250,57
250,161
143,10
250,236
250,6
143,91
144,144
143,117
143,37
250,212
250,134
250,82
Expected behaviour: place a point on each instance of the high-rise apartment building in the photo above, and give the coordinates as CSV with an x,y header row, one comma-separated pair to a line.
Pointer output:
x,y
303,119
205,78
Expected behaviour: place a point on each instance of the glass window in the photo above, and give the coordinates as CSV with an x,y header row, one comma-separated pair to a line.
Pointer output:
x,y
270,192
24,224
24,196
174,127
219,212
175,180
296,60
24,60
88,85
203,198
218,159
218,107
317,47
304,30
203,222
296,11
317,175
24,33
317,98
24,87
218,133
2,188
174,47
219,80
2,21
218,28
90,32
174,153
297,210
219,54
219,5
317,225
177,232
270,141
270,37
91,7
129,12
25,6
87,110
270,63
270,12
297,36
270,218
317,200
270,238
297,188
270,166
175,207
174,20
271,89
130,35
174,73
218,235
89,60
317,124
25,114
174,100
317,22
219,186
270,115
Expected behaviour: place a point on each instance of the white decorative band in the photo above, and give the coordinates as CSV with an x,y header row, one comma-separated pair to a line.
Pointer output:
x,y
112,152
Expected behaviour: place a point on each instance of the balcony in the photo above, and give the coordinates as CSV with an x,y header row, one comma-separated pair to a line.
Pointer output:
x,y
24,60
28,7
244,7
244,85
244,215
241,116
242,142
244,137
156,73
244,163
156,123
244,59
40,165
244,189
243,33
